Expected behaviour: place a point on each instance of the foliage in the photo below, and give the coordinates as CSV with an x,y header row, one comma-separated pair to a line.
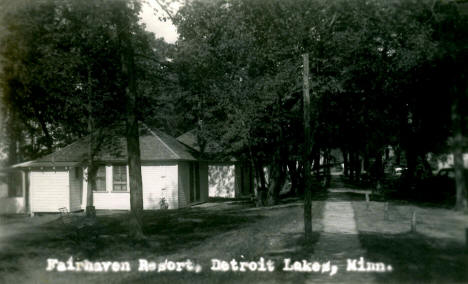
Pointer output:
x,y
378,74
61,65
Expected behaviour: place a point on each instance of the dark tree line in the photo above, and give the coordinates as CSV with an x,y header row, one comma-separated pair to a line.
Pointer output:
x,y
382,73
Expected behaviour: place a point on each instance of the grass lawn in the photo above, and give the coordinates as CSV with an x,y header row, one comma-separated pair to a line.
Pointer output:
x,y
198,234
435,253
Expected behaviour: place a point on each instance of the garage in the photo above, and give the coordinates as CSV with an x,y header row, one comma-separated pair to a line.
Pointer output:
x,y
50,190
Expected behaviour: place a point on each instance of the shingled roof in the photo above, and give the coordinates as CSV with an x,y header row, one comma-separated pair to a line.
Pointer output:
x,y
155,146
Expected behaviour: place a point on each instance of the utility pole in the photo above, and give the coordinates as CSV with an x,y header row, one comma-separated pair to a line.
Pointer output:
x,y
306,153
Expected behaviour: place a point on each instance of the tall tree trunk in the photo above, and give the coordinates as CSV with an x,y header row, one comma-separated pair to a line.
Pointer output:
x,y
398,155
277,179
460,179
294,169
411,160
92,168
357,166
365,162
49,141
261,184
306,154
259,175
328,161
352,166
316,158
92,172
12,132
132,131
379,171
345,163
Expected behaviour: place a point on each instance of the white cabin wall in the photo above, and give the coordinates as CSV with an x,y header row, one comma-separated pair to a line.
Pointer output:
x,y
160,181
154,177
112,200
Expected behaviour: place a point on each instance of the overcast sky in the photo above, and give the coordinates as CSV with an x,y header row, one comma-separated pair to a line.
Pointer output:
x,y
161,29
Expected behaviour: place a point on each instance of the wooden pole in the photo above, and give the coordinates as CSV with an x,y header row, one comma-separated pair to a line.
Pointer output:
x,y
307,146
413,221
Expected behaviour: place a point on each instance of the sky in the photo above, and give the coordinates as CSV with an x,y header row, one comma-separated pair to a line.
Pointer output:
x,y
165,30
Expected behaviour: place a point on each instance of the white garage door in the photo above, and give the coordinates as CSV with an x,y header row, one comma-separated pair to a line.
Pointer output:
x,y
49,191
159,182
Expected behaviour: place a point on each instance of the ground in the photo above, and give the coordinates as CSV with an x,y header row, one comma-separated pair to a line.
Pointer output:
x,y
345,227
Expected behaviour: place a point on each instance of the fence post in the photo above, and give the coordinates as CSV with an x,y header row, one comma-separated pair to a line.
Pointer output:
x,y
386,211
413,221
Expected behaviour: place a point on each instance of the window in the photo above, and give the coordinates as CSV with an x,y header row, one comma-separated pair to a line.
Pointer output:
x,y
119,178
101,179
15,185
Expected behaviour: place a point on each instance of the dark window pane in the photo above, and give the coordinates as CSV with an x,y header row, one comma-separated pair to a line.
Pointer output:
x,y
15,185
119,178
101,179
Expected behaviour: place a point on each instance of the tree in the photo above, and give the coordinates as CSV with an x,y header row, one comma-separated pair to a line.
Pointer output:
x,y
373,68
59,54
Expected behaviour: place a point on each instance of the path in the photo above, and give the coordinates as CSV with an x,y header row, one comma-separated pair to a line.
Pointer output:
x,y
339,240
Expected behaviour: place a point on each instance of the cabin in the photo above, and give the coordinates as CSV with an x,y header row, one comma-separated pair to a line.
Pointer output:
x,y
227,177
172,176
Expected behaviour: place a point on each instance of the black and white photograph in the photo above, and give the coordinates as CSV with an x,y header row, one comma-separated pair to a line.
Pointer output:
x,y
233,141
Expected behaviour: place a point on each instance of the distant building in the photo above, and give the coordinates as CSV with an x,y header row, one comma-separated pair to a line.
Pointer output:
x,y
227,177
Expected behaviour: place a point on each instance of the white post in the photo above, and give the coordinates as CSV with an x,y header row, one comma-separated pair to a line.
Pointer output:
x,y
367,200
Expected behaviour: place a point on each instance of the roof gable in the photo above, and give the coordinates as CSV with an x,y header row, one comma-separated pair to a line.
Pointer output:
x,y
155,145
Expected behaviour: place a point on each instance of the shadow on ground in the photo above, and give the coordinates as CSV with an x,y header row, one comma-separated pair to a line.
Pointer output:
x,y
416,258
296,249
166,231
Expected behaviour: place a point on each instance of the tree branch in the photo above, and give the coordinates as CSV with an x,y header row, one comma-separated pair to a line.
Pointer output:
x,y
164,8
